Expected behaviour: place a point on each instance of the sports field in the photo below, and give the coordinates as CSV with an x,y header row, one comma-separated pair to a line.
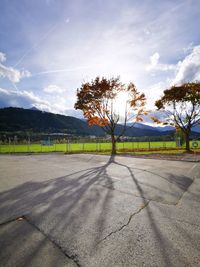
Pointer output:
x,y
91,147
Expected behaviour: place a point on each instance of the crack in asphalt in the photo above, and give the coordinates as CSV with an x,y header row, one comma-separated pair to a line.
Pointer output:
x,y
20,218
71,257
126,224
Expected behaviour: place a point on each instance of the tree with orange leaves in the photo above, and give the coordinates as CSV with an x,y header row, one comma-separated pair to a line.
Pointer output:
x,y
182,106
97,98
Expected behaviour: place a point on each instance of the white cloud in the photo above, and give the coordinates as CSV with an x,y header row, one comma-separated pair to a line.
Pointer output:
x,y
21,99
189,68
154,92
2,57
147,119
52,88
14,75
155,65
188,48
154,59
26,99
67,20
118,44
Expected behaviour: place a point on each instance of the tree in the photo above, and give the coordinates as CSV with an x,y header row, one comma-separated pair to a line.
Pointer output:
x,y
179,135
182,106
97,101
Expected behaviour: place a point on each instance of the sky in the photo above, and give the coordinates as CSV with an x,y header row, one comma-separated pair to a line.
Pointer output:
x,y
49,47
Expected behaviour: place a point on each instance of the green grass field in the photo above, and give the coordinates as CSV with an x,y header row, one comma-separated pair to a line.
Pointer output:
x,y
92,147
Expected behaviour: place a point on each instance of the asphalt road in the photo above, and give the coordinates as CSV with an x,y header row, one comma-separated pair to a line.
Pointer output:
x,y
93,210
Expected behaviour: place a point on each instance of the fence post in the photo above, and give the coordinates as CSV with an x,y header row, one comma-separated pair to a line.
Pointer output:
x,y
9,144
96,146
66,149
28,144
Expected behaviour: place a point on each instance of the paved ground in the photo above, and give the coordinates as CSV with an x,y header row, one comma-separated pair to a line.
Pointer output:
x,y
87,210
188,157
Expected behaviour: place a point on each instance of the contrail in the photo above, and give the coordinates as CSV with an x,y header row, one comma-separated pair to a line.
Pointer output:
x,y
15,86
61,70
36,44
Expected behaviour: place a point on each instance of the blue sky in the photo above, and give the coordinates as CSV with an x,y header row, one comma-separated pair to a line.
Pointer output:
x,y
49,47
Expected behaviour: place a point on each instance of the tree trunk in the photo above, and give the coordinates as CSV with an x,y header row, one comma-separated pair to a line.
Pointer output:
x,y
113,152
187,141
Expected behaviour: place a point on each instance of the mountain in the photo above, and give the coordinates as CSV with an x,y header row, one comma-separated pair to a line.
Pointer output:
x,y
196,129
34,108
141,132
28,120
36,121
155,128
142,126
165,128
19,119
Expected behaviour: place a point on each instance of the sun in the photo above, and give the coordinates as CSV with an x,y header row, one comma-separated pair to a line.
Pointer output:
x,y
120,103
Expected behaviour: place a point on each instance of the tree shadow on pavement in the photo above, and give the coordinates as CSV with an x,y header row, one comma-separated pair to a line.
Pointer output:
x,y
63,207
164,245
68,207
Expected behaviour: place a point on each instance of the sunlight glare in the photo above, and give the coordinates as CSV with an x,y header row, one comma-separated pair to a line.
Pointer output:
x,y
120,103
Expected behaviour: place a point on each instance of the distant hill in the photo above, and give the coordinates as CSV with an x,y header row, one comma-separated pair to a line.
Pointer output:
x,y
19,119
154,128
196,128
142,126
34,108
163,128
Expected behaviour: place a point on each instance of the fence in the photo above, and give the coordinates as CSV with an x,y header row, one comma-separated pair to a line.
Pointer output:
x,y
73,147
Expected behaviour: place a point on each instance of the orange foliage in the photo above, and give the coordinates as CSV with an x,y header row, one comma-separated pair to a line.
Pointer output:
x,y
93,98
156,120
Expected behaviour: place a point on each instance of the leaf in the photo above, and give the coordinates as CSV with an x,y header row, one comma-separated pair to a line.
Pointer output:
x,y
156,120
